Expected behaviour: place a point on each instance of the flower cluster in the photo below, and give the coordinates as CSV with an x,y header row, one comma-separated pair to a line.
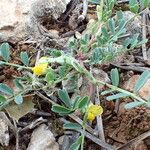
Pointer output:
x,y
41,67
94,111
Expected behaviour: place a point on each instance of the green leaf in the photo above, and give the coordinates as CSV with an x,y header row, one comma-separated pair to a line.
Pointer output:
x,y
117,96
24,58
18,84
55,53
148,102
94,1
105,32
121,26
145,3
114,76
111,25
2,99
5,89
99,11
63,95
96,56
5,52
127,42
50,76
72,126
84,40
119,15
133,104
76,102
18,99
62,71
76,145
83,102
134,40
111,4
142,80
134,6
61,109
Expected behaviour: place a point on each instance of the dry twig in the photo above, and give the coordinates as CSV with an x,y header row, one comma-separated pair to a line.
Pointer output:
x,y
94,139
84,13
99,119
144,37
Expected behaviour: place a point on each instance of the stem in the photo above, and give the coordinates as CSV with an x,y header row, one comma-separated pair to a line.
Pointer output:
x,y
12,98
14,65
71,61
6,103
83,132
115,88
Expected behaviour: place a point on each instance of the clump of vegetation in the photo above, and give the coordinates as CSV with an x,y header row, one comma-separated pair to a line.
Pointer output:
x,y
96,46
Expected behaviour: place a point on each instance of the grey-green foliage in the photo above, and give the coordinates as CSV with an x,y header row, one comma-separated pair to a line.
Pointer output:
x,y
104,9
5,89
106,32
73,126
94,1
18,84
5,52
136,5
114,74
63,95
117,96
69,105
77,144
142,80
24,58
133,104
105,46
2,99
18,99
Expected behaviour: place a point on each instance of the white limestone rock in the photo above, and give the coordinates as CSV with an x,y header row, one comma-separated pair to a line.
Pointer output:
x,y
19,18
42,139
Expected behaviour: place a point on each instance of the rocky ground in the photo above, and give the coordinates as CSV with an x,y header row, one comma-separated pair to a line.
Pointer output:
x,y
35,25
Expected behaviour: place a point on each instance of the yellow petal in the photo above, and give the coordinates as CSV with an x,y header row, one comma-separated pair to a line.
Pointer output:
x,y
90,117
95,110
40,69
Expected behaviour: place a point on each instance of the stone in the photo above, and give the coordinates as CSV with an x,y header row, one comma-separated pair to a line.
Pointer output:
x,y
20,19
134,26
140,146
4,132
144,92
42,139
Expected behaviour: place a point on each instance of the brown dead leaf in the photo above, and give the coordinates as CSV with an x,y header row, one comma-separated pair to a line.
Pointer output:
x,y
17,111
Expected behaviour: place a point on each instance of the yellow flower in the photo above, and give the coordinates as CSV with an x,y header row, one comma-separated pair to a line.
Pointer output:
x,y
41,67
93,111
90,117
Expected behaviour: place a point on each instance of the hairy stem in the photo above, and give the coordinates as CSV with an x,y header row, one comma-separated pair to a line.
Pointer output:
x,y
14,65
70,60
